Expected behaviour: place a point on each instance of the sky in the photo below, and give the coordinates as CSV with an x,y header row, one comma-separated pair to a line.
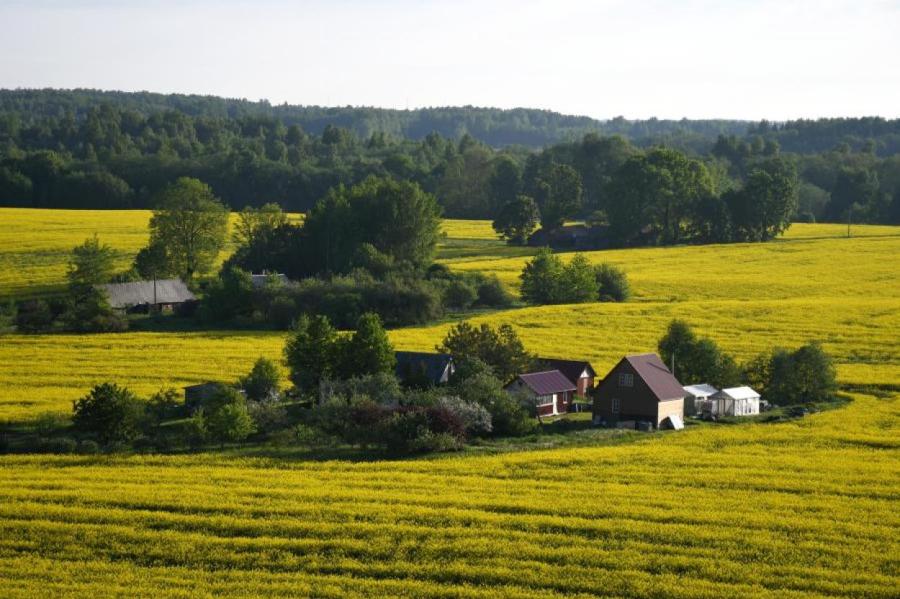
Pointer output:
x,y
745,59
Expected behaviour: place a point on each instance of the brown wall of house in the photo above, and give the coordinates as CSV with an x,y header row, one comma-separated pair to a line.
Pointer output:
x,y
637,402
585,384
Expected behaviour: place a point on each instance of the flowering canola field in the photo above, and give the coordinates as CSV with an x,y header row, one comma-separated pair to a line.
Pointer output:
x,y
807,508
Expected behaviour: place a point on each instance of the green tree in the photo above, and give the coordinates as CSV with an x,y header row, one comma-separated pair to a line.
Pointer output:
x,y
253,223
578,282
262,381
612,283
230,422
501,349
541,277
696,359
310,352
368,350
558,195
153,262
92,263
853,187
505,182
191,223
803,376
111,413
657,190
763,208
517,219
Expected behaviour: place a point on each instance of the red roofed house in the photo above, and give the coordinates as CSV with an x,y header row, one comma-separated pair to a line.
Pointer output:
x,y
551,391
640,388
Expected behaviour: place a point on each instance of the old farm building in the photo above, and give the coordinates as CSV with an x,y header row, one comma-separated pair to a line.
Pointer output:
x,y
641,389
143,295
580,373
551,391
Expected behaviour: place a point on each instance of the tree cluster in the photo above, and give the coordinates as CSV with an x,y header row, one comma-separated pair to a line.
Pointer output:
x,y
547,280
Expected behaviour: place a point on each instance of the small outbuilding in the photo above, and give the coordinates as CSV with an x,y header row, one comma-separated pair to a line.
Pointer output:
x,y
424,369
734,401
141,296
551,391
695,398
641,389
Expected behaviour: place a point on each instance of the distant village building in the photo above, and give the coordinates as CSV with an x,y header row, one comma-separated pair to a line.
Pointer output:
x,y
142,295
580,373
424,369
696,397
640,389
735,401
551,391
576,236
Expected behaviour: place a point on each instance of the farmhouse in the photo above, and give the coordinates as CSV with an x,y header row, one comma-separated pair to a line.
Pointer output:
x,y
696,396
140,296
640,388
423,369
735,401
580,373
551,391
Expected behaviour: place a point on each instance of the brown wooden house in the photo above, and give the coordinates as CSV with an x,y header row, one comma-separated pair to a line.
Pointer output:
x,y
640,388
551,391
580,373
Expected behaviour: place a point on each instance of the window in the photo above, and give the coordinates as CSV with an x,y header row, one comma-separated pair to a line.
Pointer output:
x,y
615,405
544,400
626,379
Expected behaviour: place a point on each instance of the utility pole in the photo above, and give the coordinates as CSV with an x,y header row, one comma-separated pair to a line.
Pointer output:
x,y
849,213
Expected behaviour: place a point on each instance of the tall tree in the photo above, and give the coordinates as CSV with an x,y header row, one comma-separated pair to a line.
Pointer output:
x,y
505,182
763,208
501,349
517,219
368,350
92,263
558,195
191,223
253,223
310,352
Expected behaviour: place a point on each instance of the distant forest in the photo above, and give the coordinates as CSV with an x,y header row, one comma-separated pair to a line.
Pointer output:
x,y
96,149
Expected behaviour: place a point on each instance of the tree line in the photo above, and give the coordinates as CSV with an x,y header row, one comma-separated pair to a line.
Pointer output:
x,y
87,149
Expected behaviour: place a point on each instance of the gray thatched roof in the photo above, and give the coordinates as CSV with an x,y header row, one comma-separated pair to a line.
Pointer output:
x,y
138,293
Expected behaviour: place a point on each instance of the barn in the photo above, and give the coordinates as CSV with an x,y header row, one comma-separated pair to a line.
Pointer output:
x,y
640,389
141,296
551,391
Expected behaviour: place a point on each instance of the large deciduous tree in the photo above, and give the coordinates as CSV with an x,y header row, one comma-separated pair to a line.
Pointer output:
x,y
558,194
762,209
92,263
191,223
517,219
501,349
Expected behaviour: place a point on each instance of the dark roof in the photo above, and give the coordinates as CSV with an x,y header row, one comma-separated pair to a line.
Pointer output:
x,y
545,383
571,368
431,365
138,293
660,380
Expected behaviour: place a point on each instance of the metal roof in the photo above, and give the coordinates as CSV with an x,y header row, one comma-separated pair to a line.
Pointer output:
x,y
571,368
547,383
655,374
701,390
138,293
431,365
739,393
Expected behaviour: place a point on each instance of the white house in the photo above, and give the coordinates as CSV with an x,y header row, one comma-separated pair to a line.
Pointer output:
x,y
696,397
736,401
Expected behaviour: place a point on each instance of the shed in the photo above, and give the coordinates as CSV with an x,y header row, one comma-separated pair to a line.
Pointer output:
x,y
734,401
138,295
696,397
551,391
639,388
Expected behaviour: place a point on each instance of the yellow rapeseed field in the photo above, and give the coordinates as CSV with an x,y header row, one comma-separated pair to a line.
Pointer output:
x,y
800,509
807,508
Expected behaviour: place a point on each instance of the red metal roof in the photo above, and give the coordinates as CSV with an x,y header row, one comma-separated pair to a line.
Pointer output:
x,y
547,383
660,380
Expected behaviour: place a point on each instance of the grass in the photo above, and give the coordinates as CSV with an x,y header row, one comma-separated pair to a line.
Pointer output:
x,y
801,508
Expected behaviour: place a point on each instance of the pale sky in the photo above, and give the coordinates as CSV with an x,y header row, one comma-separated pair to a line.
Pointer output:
x,y
748,59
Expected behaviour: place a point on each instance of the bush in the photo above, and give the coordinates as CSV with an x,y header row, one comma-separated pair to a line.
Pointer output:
x,y
88,447
612,283
546,280
460,294
492,293
269,414
112,413
230,423
34,316
62,445
50,422
475,418
263,381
